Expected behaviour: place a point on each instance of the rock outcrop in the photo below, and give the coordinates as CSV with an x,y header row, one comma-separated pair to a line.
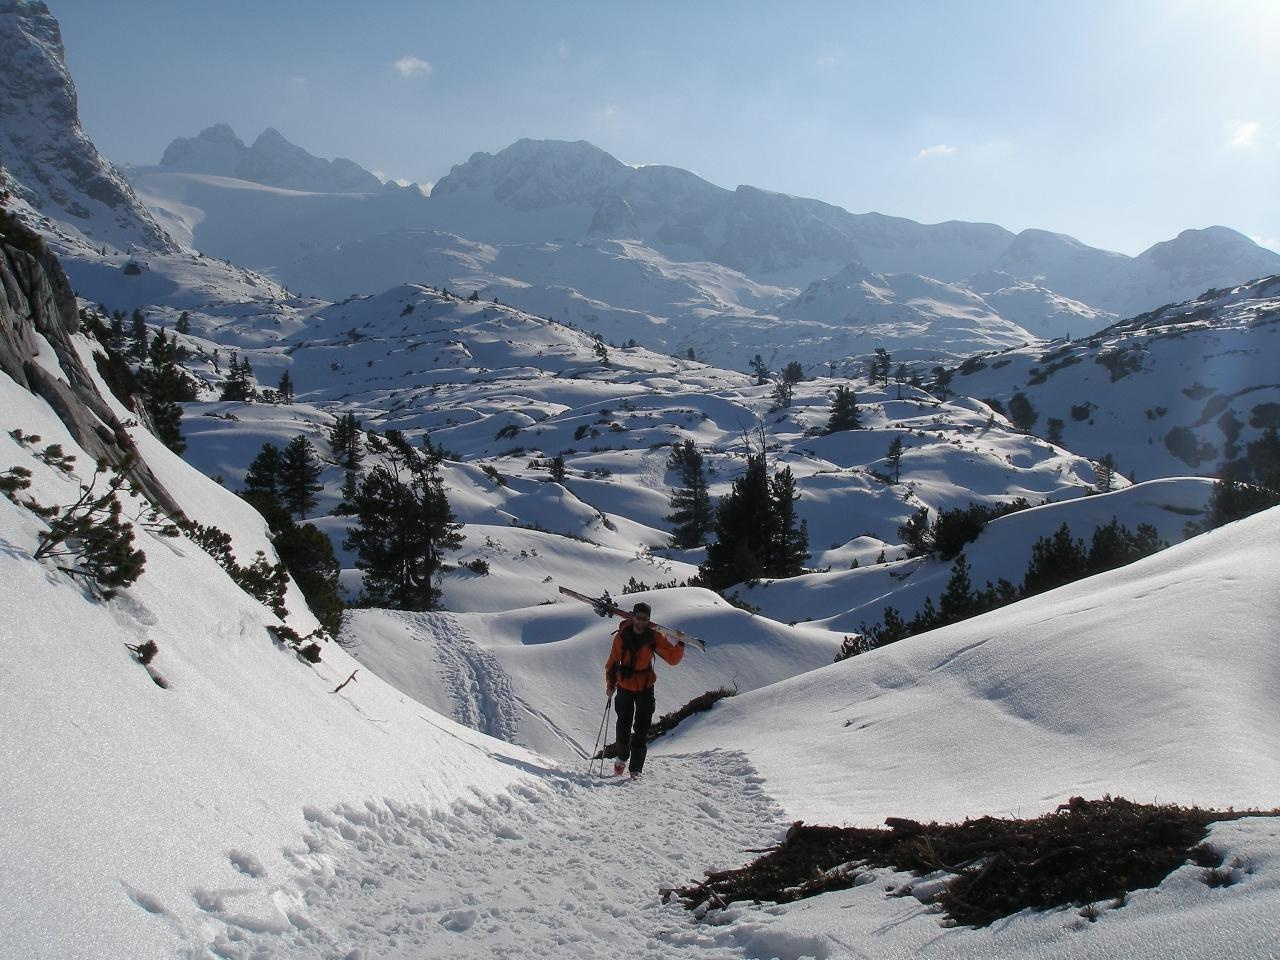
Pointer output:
x,y
36,307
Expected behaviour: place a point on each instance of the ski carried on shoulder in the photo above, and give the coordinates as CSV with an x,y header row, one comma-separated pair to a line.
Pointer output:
x,y
605,607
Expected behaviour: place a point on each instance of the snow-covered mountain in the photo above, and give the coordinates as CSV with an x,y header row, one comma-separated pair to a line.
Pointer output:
x,y
1036,308
911,315
557,199
50,167
1181,389
272,161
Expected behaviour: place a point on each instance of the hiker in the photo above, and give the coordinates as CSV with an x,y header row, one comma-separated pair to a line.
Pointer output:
x,y
629,673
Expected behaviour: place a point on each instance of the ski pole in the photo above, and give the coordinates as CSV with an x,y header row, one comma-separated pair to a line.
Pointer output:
x,y
599,736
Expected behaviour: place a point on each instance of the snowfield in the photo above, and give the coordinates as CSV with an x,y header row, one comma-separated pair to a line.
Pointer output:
x,y
425,790
248,810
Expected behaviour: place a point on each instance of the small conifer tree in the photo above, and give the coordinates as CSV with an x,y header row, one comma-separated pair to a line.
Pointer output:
x,y
1022,414
138,335
844,411
163,386
894,456
691,510
760,369
299,476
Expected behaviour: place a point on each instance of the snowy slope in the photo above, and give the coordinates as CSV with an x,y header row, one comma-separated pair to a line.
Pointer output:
x,y
535,676
1156,680
914,317
1182,389
844,599
1045,314
139,817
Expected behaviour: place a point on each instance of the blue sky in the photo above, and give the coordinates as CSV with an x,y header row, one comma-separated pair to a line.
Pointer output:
x,y
1120,122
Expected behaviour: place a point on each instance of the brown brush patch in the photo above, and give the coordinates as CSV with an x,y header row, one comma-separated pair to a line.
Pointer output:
x,y
1085,852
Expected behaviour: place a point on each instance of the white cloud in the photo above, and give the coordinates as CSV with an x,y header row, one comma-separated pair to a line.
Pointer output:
x,y
1271,243
609,117
937,150
410,67
1243,134
562,50
829,57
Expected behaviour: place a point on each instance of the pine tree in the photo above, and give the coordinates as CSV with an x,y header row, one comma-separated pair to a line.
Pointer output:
x,y
793,372
881,365
404,523
760,369
138,335
163,386
894,456
788,541
236,386
1022,414
1263,456
299,476
958,601
347,444
556,466
285,388
263,477
117,339
742,529
1054,562
307,553
915,533
942,381
183,326
691,511
783,391
844,411
1104,472
1053,431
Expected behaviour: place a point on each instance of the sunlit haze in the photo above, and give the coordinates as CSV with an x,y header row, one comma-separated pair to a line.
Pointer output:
x,y
1120,124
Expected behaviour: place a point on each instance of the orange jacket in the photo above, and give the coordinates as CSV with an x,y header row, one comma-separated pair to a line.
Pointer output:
x,y
633,670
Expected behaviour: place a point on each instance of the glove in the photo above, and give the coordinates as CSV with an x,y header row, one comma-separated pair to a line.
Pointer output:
x,y
608,688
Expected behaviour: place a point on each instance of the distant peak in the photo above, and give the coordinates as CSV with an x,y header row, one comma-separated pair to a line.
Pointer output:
x,y
218,133
536,174
271,137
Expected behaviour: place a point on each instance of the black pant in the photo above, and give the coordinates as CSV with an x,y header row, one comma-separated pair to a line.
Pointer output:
x,y
633,740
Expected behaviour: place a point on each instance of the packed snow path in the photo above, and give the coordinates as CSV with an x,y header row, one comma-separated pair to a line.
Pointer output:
x,y
563,866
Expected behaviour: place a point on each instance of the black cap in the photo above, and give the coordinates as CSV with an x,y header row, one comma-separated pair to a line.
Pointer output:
x,y
641,607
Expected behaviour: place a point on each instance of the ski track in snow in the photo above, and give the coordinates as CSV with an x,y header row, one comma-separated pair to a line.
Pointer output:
x,y
481,690
566,866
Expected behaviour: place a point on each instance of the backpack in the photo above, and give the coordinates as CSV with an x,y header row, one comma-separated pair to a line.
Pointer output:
x,y
632,645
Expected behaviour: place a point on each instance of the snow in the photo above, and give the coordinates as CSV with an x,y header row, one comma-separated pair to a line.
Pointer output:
x,y
124,799
1158,680
227,800
1196,367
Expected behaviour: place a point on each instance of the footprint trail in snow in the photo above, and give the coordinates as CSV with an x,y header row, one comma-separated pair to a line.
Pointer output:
x,y
567,866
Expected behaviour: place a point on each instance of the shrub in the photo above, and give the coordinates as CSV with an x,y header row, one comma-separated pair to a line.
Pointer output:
x,y
1085,852
262,580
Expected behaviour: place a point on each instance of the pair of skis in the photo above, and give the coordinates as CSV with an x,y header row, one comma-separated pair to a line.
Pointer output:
x,y
605,607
